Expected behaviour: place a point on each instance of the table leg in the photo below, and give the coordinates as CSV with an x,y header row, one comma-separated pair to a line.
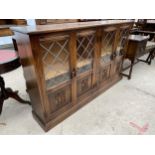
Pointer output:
x,y
1,103
14,95
152,55
5,93
2,93
130,71
149,58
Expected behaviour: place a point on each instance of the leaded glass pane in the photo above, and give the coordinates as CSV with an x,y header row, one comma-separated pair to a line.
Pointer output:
x,y
55,58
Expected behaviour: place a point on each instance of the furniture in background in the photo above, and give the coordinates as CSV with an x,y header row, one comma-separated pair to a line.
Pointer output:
x,y
151,34
68,65
5,24
136,48
5,31
150,46
147,26
54,21
12,22
9,61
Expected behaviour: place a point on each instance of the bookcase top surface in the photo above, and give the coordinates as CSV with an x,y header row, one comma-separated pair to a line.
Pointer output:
x,y
39,29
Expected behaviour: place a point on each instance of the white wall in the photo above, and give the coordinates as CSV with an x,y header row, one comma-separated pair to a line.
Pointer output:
x,y
31,22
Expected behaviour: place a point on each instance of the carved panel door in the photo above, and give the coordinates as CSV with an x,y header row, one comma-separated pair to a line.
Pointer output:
x,y
122,38
107,53
85,56
56,65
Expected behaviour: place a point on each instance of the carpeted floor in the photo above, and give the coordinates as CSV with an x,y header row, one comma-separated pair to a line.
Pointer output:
x,y
126,108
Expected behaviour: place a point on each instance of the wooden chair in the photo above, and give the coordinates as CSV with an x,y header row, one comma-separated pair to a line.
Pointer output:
x,y
9,61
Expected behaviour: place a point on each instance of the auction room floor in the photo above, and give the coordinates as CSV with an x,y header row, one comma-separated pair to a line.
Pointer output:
x,y
126,108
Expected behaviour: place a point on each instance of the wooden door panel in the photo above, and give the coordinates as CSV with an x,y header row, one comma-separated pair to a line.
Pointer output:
x,y
108,38
84,84
55,56
59,98
85,58
105,73
122,38
108,42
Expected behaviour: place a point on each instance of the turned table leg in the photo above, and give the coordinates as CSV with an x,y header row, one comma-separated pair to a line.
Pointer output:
x,y
1,104
152,55
5,93
2,93
130,70
149,58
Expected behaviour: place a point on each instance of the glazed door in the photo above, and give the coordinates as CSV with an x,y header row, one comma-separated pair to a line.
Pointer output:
x,y
122,38
57,74
85,47
108,37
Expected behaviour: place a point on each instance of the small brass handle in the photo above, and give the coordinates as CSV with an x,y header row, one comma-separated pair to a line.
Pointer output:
x,y
121,52
111,57
73,73
114,54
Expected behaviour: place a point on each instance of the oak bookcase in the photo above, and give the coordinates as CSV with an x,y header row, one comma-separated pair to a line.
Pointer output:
x,y
67,65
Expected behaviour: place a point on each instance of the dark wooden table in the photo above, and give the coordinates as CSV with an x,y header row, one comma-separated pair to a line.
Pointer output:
x,y
9,61
136,48
151,34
